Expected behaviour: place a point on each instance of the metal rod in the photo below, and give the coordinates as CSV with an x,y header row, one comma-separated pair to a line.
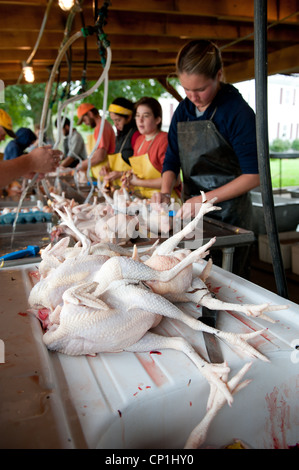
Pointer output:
x,y
261,75
228,258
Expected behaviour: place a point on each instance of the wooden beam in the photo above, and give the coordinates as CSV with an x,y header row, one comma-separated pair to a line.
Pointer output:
x,y
236,10
146,36
168,87
151,24
278,62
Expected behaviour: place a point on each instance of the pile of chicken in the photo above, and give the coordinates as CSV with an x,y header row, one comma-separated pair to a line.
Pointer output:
x,y
118,219
101,297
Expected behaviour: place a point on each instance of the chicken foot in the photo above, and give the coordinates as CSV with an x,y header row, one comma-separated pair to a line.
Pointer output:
x,y
203,296
199,433
235,339
211,372
68,221
171,243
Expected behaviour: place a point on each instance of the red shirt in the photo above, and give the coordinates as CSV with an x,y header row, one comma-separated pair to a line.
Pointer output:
x,y
155,148
108,137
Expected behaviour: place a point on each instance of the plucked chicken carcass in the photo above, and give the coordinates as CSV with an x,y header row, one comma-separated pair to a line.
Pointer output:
x,y
168,272
119,219
63,266
126,297
111,221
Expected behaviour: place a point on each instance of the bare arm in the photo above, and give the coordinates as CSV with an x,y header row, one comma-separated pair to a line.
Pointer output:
x,y
168,180
146,183
98,157
39,160
67,162
241,185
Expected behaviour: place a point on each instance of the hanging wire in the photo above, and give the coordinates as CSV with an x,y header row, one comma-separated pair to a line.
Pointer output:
x,y
84,71
101,37
41,31
87,31
46,115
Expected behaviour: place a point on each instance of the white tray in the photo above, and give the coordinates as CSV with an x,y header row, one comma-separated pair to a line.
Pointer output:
x,y
144,401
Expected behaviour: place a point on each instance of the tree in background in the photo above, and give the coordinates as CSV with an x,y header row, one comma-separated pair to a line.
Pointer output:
x,y
24,103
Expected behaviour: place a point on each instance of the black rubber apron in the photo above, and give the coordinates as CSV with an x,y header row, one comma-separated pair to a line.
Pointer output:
x,y
208,162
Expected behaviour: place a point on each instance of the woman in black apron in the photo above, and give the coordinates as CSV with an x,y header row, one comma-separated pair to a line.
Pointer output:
x,y
212,141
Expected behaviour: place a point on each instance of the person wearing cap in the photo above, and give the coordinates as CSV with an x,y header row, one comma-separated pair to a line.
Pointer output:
x,y
88,114
40,160
15,148
123,116
6,125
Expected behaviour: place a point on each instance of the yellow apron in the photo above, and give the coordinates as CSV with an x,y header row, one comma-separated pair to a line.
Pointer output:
x,y
144,169
95,170
116,163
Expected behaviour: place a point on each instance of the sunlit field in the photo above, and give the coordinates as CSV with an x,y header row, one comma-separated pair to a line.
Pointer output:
x,y
289,172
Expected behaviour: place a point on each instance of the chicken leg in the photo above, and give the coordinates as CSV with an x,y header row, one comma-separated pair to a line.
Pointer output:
x,y
199,433
171,243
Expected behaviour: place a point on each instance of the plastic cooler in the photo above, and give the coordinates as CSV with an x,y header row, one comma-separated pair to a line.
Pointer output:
x,y
146,400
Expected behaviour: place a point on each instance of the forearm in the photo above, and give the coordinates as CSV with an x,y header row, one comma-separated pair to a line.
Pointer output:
x,y
241,185
13,169
168,180
98,157
39,160
67,161
150,183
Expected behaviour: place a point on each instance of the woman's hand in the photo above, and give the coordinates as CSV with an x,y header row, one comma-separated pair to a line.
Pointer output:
x,y
134,180
190,208
112,175
126,178
82,166
105,170
159,198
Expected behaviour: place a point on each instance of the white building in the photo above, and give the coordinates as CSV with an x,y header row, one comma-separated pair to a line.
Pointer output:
x,y
283,105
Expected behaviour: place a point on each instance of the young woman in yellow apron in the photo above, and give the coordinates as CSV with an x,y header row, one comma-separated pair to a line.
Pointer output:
x,y
122,114
149,150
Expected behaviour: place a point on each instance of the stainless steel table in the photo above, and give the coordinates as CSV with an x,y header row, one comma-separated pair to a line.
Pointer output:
x,y
227,238
38,233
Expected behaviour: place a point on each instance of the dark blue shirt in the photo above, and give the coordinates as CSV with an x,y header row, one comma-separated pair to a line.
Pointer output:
x,y
234,119
15,148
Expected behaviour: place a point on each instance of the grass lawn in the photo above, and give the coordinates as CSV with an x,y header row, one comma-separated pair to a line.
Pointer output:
x,y
289,172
